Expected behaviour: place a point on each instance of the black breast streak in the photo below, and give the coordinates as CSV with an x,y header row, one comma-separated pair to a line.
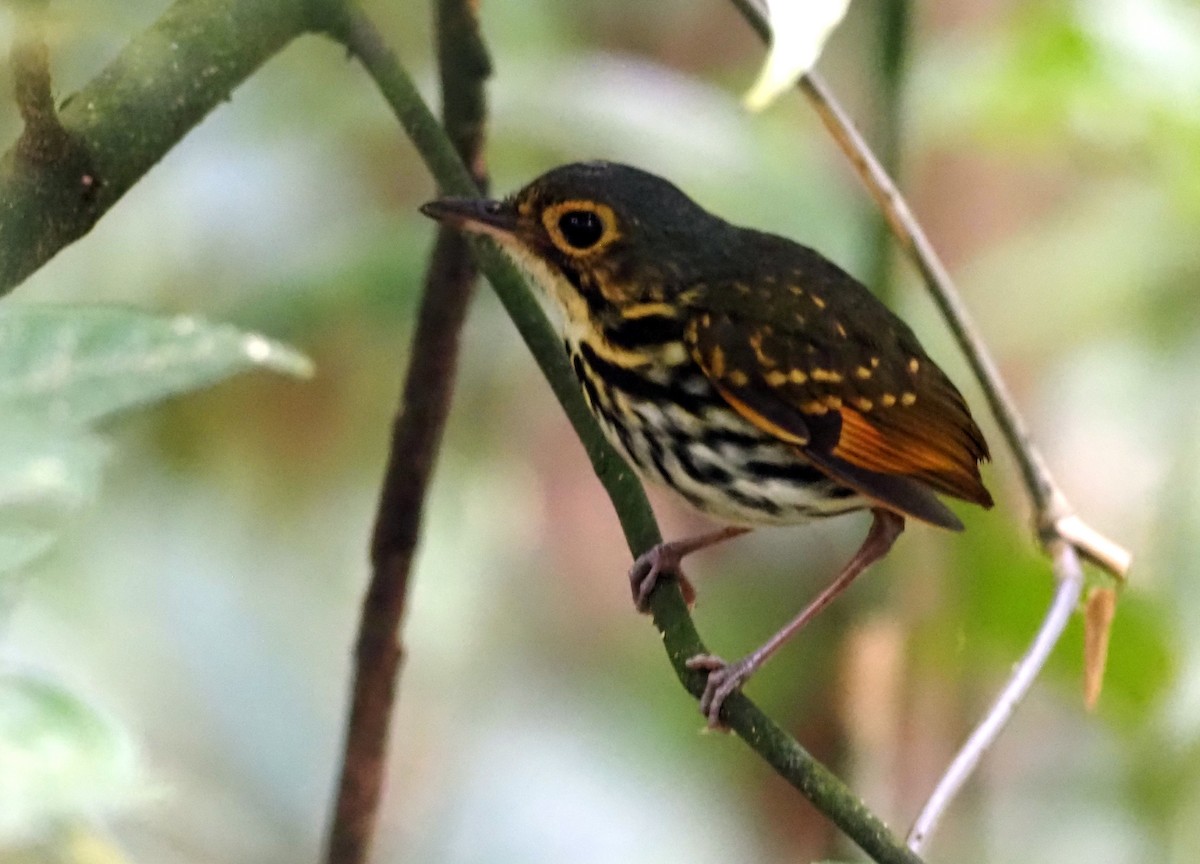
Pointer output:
x,y
800,473
706,473
602,407
657,455
640,332
640,387
835,491
754,502
717,436
627,443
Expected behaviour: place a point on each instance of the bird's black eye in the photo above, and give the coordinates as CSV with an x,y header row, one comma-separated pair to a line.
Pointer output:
x,y
581,228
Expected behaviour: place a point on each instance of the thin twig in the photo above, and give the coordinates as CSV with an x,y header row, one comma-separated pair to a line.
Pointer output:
x,y
416,437
1049,502
1069,575
791,761
891,47
45,153
1054,514
43,140
1057,522
1058,525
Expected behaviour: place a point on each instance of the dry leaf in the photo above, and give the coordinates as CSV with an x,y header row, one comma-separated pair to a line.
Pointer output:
x,y
1098,618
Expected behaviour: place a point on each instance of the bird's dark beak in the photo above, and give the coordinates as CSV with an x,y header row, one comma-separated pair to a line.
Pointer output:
x,y
472,214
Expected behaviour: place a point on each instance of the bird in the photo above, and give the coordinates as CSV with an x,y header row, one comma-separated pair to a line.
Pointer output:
x,y
748,374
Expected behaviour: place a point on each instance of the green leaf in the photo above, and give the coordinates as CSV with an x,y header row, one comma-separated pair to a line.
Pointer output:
x,y
57,756
46,478
71,365
63,368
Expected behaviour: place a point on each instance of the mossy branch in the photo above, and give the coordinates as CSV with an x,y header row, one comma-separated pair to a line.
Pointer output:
x,y
129,116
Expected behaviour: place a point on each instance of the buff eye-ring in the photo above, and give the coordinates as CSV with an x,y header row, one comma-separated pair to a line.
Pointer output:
x,y
745,372
580,227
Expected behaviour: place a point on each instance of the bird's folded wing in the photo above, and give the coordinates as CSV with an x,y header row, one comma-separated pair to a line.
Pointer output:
x,y
886,422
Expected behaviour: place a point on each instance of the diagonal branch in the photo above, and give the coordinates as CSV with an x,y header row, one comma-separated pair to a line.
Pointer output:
x,y
670,613
416,437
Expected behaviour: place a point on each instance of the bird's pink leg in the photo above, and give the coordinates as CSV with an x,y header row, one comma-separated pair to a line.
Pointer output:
x,y
724,678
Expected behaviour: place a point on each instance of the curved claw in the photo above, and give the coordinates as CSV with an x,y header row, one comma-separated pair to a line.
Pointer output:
x,y
723,679
662,560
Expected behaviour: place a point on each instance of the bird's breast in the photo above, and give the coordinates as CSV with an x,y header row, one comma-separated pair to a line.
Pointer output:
x,y
661,413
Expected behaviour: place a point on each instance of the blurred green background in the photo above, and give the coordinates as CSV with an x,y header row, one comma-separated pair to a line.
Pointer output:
x,y
193,632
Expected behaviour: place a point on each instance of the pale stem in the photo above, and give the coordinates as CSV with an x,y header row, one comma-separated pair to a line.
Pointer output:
x,y
1062,533
1069,575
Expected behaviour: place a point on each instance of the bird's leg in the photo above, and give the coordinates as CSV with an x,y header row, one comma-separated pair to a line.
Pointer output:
x,y
724,678
664,559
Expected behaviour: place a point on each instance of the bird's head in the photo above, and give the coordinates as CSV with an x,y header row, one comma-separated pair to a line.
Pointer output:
x,y
595,236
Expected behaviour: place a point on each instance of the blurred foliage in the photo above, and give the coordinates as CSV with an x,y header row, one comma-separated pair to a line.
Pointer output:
x,y
57,756
185,649
63,371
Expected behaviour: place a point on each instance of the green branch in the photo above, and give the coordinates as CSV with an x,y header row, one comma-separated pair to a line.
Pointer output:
x,y
363,41
670,613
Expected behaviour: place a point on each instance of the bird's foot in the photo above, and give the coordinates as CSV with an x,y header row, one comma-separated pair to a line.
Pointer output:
x,y
663,560
723,679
